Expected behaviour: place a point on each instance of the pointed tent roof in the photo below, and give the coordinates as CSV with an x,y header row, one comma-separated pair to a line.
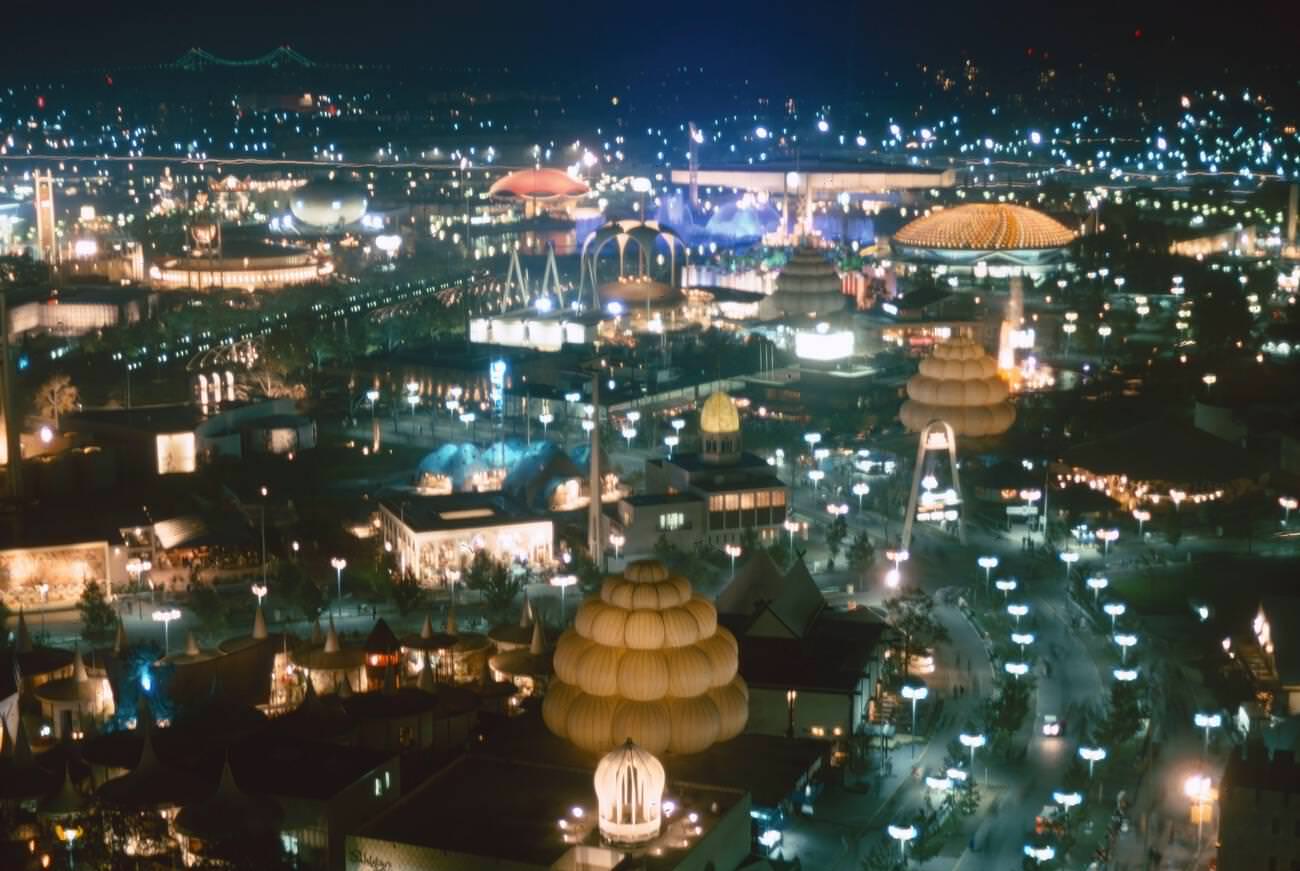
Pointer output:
x,y
23,638
20,777
758,582
332,638
381,638
426,631
344,689
67,802
79,666
228,814
538,644
191,644
426,682
316,637
526,617
259,624
800,600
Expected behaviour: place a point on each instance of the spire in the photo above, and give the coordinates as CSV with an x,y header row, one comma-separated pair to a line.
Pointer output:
x,y
191,644
426,631
24,638
316,636
526,615
344,690
332,638
79,666
426,676
120,642
227,787
539,640
259,624
451,619
68,801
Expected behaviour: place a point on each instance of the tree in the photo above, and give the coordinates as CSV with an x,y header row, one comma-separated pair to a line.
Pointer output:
x,y
208,608
835,535
1008,709
406,593
55,397
1173,527
493,580
861,552
98,619
1123,714
293,586
912,614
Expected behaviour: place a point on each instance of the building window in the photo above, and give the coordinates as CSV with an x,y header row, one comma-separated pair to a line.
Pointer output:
x,y
715,503
672,520
731,501
763,499
778,498
747,501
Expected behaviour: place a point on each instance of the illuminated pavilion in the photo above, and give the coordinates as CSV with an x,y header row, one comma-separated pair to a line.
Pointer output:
x,y
993,234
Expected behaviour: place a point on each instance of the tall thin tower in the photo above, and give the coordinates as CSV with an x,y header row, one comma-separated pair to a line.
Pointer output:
x,y
595,544
697,138
47,245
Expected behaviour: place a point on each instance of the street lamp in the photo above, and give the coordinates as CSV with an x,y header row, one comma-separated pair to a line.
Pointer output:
x,y
1107,536
1031,496
563,582
1288,503
339,564
545,419
1006,585
902,834
1141,516
1017,610
1200,789
1016,669
1069,557
1125,640
790,697
629,433
165,616
914,694
988,564
894,575
837,510
671,441
1067,800
1177,496
813,439
733,551
973,743
939,784
791,526
1097,584
618,540
1124,675
1207,722
1023,639
44,589
816,475
68,835
1092,755
1114,609
259,590
861,489
1104,331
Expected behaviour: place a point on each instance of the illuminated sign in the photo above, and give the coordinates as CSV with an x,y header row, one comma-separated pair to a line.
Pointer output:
x,y
176,453
823,345
497,378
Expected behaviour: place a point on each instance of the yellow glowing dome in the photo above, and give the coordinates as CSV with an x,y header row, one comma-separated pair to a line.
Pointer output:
x,y
985,227
958,384
719,414
646,661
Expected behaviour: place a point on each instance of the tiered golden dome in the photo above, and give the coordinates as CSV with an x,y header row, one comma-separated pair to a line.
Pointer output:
x,y
719,414
646,661
808,285
985,226
959,385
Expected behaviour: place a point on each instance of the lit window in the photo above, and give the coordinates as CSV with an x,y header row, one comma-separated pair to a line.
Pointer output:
x,y
747,501
732,501
715,503
763,499
778,498
672,520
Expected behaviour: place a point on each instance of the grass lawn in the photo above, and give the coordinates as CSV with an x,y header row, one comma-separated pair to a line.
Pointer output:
x,y
1231,584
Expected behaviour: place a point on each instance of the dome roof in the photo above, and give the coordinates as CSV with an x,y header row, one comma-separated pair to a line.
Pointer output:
x,y
646,661
719,415
629,788
959,385
538,184
985,227
808,285
328,204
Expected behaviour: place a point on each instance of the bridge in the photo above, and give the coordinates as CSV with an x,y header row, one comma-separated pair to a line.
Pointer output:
x,y
198,58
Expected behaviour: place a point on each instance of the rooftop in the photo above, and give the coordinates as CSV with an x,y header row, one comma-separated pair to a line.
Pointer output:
x,y
454,511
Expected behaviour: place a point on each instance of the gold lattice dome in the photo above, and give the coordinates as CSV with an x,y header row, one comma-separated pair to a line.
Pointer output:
x,y
646,661
985,227
719,414
958,384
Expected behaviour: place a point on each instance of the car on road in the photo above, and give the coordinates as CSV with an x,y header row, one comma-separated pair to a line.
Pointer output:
x,y
1053,726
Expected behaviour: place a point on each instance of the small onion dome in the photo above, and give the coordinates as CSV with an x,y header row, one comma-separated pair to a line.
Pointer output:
x,y
719,414
228,815
985,227
629,784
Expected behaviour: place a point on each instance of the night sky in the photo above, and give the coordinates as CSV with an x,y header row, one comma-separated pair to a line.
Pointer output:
x,y
841,43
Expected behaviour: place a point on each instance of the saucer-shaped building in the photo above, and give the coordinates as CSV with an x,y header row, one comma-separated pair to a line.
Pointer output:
x,y
993,233
328,204
542,184
646,661
959,385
